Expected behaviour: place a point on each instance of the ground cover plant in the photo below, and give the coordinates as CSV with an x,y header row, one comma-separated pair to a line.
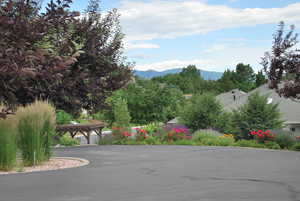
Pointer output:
x,y
8,144
36,128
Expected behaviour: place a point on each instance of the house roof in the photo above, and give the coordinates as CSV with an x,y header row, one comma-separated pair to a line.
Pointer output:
x,y
290,109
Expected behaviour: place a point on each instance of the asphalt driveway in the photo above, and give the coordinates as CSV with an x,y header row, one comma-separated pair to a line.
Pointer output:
x,y
163,173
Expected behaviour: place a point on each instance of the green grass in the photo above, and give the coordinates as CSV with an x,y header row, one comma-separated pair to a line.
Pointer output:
x,y
35,132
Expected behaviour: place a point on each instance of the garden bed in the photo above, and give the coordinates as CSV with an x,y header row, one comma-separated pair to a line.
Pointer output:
x,y
56,163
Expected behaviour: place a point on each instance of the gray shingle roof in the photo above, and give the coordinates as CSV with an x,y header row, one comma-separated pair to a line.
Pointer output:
x,y
290,109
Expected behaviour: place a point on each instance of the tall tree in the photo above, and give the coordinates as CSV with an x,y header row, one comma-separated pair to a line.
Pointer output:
x,y
35,50
260,79
74,62
282,64
245,77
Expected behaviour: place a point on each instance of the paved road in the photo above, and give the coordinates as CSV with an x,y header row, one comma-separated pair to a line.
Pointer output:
x,y
163,173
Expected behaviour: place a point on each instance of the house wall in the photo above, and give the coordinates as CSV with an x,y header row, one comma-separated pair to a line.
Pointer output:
x,y
294,127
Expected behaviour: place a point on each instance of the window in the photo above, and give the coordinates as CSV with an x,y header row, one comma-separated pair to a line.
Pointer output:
x,y
293,129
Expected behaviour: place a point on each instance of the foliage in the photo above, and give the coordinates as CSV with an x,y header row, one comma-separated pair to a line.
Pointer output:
x,y
35,48
36,127
272,145
224,123
260,79
121,133
153,127
282,64
66,140
256,114
263,136
74,62
296,146
201,112
176,134
8,147
149,102
141,134
121,114
189,80
63,117
285,139
249,143
211,138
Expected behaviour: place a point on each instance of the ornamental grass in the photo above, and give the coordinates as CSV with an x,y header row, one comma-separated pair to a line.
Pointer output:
x,y
36,126
8,147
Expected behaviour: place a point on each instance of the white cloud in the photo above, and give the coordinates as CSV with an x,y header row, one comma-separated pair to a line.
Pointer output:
x,y
170,64
170,19
132,46
215,47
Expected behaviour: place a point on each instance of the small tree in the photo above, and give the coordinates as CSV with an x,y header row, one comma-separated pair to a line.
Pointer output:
x,y
121,114
257,114
201,112
282,64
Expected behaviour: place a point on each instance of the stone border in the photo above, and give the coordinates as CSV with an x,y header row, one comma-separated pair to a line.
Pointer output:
x,y
52,165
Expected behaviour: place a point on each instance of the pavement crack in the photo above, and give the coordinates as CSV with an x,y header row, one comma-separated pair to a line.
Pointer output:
x,y
293,193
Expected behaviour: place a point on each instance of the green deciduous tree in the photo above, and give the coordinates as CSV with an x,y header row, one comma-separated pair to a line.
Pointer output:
x,y
201,112
260,79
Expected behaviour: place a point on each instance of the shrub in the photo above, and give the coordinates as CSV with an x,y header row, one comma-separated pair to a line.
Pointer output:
x,y
226,141
207,133
63,117
225,124
263,136
121,114
36,127
176,134
152,140
141,134
66,140
201,112
121,133
249,143
285,139
8,148
256,114
152,128
272,145
296,146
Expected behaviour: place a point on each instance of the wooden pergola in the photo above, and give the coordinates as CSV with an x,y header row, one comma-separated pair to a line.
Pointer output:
x,y
84,129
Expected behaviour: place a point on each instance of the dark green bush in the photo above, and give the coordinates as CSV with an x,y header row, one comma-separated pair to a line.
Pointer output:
x,y
255,115
63,117
296,146
201,112
285,139
8,147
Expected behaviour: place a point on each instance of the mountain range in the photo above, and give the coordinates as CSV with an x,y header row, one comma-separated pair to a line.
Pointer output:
x,y
207,75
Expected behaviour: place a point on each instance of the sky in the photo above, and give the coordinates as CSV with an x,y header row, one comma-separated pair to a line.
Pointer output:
x,y
214,35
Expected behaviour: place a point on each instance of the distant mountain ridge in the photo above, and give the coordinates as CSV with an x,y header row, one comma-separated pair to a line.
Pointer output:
x,y
207,75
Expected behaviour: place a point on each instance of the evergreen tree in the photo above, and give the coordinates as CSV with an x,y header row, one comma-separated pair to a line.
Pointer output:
x,y
260,79
121,113
257,114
